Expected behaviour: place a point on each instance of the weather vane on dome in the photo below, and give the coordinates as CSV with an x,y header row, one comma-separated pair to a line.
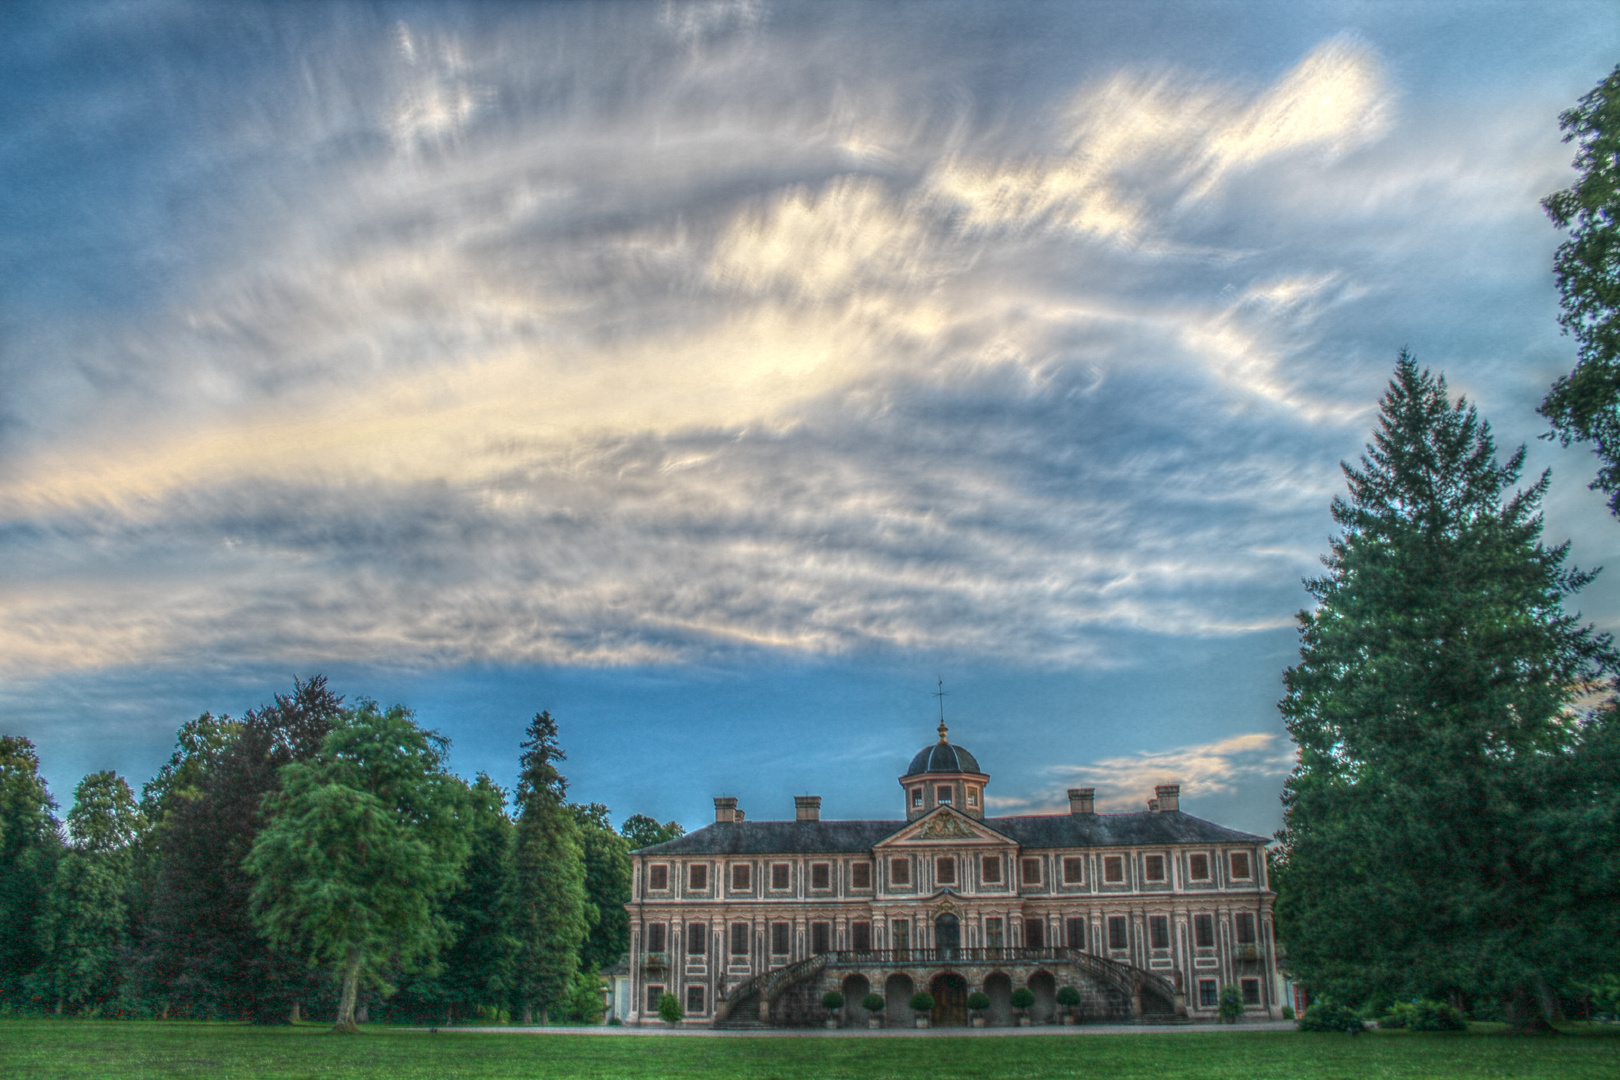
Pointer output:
x,y
940,693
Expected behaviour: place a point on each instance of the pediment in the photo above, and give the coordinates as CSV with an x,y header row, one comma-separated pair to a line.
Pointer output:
x,y
944,825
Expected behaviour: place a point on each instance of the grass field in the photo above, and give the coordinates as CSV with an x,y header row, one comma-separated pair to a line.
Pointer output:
x,y
39,1049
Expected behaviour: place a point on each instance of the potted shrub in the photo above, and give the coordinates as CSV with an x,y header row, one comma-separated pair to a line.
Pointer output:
x,y
977,1002
873,1004
1231,1005
832,1001
1069,998
669,1009
922,1003
1022,999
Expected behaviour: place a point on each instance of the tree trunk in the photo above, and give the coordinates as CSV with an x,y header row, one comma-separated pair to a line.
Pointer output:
x,y
528,1015
294,1015
351,987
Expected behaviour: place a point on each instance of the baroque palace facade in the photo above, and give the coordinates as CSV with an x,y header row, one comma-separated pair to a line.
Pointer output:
x,y
1146,914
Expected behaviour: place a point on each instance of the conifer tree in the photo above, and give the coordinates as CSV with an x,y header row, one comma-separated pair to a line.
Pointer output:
x,y
30,846
88,926
607,887
550,863
1437,681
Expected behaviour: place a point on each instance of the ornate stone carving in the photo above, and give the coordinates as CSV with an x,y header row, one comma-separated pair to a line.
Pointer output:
x,y
944,827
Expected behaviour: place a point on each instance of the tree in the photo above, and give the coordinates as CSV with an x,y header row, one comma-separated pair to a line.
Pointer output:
x,y
551,923
1436,690
87,929
359,848
1231,1004
1585,404
202,950
607,887
30,845
642,831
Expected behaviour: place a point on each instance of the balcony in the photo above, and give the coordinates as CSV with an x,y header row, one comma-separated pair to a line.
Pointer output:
x,y
1246,952
656,961
992,955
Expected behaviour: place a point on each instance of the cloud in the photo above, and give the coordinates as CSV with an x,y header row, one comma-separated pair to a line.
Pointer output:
x,y
1217,768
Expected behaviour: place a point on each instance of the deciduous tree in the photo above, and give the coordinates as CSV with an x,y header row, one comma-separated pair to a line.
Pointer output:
x,y
30,845
607,887
642,831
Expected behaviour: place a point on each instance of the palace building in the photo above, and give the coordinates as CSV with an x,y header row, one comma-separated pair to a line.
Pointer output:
x,y
1146,915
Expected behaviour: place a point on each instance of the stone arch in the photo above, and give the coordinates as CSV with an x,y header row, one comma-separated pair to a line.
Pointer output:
x,y
897,993
1044,987
855,988
999,989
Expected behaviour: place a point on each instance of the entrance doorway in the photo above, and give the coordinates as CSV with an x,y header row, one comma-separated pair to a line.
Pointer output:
x,y
947,934
950,1000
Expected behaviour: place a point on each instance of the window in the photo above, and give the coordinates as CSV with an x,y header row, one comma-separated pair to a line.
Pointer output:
x,y
916,797
1153,866
1198,867
1251,991
994,934
901,929
1113,869
1208,996
739,939
860,936
1159,931
781,875
1031,871
655,937
697,877
944,794
820,875
945,870
653,994
973,796
820,937
694,1001
990,869
1077,933
1240,865
1074,870
742,879
697,939
1204,931
1243,927
860,875
1035,934
658,876
781,933
1118,937
899,872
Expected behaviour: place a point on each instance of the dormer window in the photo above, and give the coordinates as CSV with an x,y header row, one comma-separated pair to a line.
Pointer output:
x,y
944,794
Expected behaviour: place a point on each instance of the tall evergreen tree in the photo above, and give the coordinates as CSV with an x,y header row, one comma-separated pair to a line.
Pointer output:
x,y
359,849
207,955
88,926
607,887
551,876
1437,681
30,846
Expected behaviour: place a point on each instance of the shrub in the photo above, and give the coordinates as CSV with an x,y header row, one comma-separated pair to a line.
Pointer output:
x,y
978,1001
1435,1016
1287,1012
1398,1016
1231,1005
669,1009
1326,1015
1068,997
1023,998
922,1001
872,1003
833,1000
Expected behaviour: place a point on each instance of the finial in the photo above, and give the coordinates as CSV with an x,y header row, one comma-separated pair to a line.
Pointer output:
x,y
942,731
940,693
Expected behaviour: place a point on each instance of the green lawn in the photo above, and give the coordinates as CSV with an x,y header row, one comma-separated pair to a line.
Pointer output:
x,y
32,1049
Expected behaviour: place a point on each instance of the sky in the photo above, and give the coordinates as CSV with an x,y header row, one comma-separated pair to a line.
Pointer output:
x,y
723,377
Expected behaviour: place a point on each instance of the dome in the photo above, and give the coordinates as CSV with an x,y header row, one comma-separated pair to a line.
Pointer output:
x,y
942,757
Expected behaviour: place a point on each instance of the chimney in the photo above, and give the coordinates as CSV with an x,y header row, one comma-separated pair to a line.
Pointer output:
x,y
1082,800
807,807
725,809
1167,797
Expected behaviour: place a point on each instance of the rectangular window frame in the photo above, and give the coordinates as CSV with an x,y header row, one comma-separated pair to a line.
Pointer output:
x,y
697,877
695,1005
820,938
995,933
820,876
944,794
1159,932
1035,933
1232,861
990,869
1152,862
781,876
1119,933
1250,988
737,945
1198,866
1209,994
1029,871
945,869
1077,931
972,797
1074,870
657,937
860,936
900,871
1245,928
781,934
697,939
1113,869
1203,931
658,877
917,797
654,992
742,877
860,875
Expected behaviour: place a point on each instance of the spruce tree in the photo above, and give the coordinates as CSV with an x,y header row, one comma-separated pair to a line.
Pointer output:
x,y
1438,679
550,861
30,846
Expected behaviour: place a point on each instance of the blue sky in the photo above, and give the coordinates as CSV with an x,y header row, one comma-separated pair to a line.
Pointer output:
x,y
720,375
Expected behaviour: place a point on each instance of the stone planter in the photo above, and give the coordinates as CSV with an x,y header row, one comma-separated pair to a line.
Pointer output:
x,y
978,1021
874,1023
832,1025
922,1021
1068,1019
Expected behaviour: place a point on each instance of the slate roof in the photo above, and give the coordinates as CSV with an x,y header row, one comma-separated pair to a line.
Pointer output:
x,y
942,757
1143,829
